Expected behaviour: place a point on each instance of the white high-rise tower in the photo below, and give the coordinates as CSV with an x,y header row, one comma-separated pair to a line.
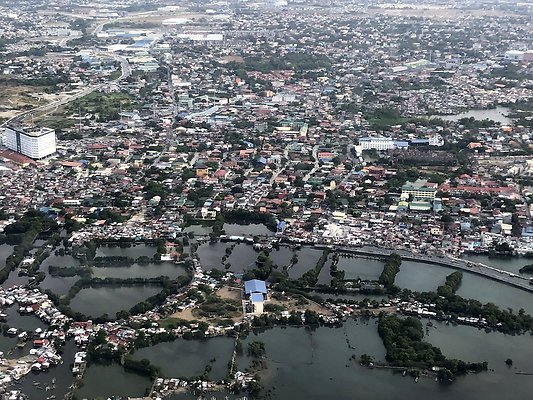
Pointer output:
x,y
33,142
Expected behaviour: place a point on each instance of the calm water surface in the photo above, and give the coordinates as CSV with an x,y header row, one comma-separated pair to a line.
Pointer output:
x,y
420,276
364,268
106,380
135,251
188,358
497,114
247,230
96,301
150,270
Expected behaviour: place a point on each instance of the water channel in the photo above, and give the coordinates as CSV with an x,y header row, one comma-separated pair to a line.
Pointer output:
x,y
303,363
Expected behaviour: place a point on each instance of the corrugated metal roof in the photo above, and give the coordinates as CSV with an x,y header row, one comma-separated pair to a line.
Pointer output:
x,y
255,286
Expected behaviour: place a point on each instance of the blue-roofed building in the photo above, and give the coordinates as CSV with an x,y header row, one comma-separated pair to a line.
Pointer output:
x,y
401,144
255,292
256,297
255,286
256,303
420,142
262,160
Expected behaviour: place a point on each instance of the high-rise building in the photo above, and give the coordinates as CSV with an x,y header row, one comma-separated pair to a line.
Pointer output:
x,y
33,142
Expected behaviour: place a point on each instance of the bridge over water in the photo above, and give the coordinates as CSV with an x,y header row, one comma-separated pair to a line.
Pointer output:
x,y
496,274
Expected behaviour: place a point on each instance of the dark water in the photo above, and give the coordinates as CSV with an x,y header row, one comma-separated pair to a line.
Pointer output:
x,y
315,365
96,301
364,268
247,230
59,261
198,229
507,264
151,270
13,279
497,114
59,285
185,358
487,290
420,276
324,278
135,251
281,257
243,258
464,342
5,251
61,372
28,322
211,255
307,259
105,380
304,364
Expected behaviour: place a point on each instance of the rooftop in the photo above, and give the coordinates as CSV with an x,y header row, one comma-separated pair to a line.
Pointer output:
x,y
34,131
255,286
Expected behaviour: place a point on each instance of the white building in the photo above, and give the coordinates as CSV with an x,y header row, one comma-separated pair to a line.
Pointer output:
x,y
33,142
514,55
377,143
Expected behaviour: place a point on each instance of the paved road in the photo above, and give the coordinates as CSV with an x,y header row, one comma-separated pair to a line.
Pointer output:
x,y
47,108
476,268
63,42
315,167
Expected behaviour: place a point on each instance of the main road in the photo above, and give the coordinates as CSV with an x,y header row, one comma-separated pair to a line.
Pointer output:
x,y
44,109
487,271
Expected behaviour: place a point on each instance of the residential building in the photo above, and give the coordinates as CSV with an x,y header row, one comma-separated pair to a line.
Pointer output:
x,y
33,142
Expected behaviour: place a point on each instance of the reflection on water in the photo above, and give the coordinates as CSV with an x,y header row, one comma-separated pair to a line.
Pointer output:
x,y
106,380
96,301
188,358
497,114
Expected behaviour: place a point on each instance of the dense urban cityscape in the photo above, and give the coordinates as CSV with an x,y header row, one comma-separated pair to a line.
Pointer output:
x,y
280,199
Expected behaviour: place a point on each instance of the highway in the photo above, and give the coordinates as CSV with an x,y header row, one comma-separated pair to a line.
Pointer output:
x,y
496,274
44,109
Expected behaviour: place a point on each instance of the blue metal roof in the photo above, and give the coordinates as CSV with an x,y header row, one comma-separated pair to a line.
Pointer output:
x,y
257,297
420,141
255,286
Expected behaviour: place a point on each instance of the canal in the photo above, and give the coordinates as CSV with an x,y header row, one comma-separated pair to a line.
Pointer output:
x,y
303,363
